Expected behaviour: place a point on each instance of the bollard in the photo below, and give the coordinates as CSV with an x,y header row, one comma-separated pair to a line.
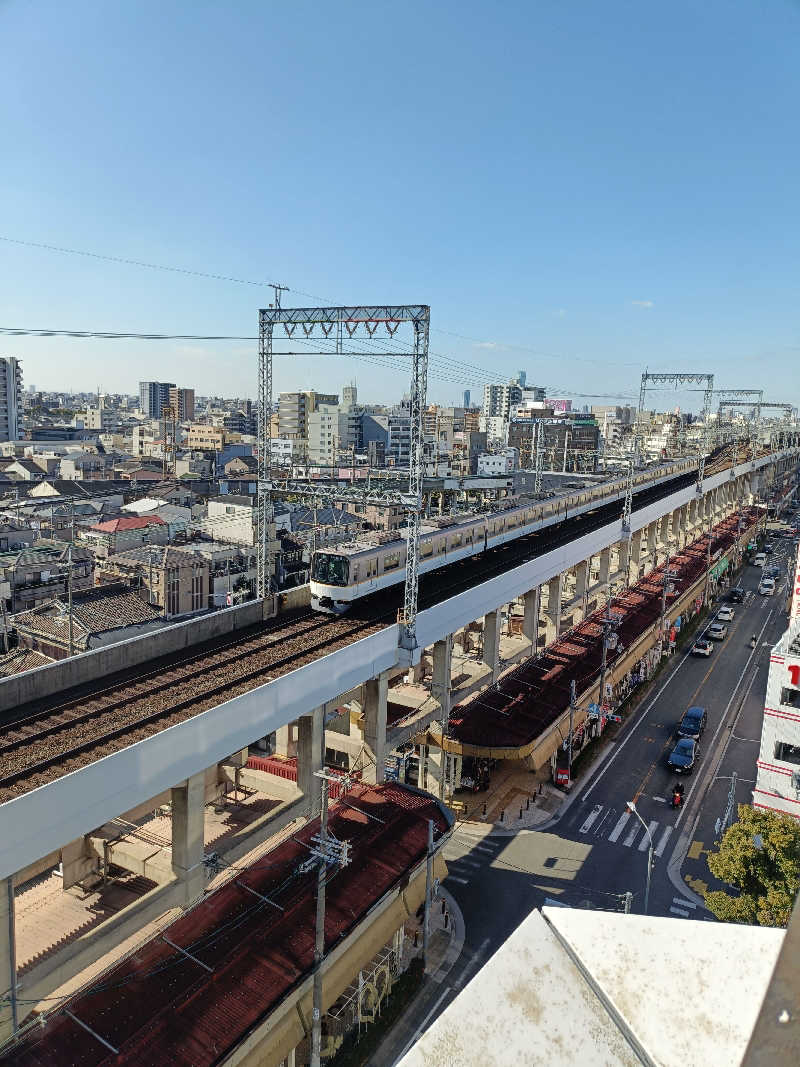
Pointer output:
x,y
444,908
502,815
484,811
540,788
520,814
446,920
528,804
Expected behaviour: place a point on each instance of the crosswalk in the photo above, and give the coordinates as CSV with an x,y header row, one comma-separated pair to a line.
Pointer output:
x,y
683,907
625,829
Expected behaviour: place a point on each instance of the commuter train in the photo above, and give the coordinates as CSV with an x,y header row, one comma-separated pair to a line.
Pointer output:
x,y
376,561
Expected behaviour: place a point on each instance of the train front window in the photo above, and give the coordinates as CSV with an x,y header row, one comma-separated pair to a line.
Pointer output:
x,y
330,570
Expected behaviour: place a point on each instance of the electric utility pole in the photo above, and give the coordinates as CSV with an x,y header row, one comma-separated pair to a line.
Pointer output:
x,y
572,703
327,851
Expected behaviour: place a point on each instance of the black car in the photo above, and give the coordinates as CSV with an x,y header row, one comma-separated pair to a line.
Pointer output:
x,y
736,595
682,758
693,723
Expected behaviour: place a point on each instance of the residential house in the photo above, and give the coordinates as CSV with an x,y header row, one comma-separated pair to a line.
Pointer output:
x,y
100,616
117,535
233,572
31,575
176,579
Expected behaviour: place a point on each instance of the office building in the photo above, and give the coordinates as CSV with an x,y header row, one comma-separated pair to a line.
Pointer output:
x,y
10,399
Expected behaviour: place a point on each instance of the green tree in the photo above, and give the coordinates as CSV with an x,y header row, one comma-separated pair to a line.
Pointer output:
x,y
760,856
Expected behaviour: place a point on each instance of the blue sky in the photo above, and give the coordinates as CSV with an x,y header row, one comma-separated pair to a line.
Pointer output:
x,y
577,189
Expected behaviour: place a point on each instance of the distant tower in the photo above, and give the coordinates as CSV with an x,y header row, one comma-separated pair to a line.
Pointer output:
x,y
466,398
521,377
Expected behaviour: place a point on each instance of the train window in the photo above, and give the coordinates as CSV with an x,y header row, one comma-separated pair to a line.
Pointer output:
x,y
457,538
391,561
354,573
426,550
330,570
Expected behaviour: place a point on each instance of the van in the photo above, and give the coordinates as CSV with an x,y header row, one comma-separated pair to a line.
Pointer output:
x,y
760,559
767,586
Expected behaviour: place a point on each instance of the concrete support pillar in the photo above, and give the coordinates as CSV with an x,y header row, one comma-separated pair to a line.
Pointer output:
x,y
376,695
582,579
676,525
283,738
652,555
188,827
442,669
491,641
8,970
636,556
605,566
311,756
530,617
624,559
553,616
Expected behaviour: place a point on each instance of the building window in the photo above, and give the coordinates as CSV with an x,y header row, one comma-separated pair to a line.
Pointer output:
x,y
787,753
197,592
790,697
173,593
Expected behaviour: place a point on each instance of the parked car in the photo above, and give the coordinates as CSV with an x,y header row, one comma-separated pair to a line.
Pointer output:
x,y
766,586
693,723
736,595
759,559
717,631
702,647
683,756
725,614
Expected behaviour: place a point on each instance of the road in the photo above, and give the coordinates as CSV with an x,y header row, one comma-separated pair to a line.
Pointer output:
x,y
595,851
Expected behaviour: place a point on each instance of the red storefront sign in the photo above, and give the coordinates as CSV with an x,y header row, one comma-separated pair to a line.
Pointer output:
x,y
562,776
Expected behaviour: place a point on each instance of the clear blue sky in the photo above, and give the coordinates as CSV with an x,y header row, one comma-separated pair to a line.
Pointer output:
x,y
606,185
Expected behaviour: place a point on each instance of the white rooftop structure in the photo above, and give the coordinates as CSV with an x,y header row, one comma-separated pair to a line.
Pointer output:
x,y
601,988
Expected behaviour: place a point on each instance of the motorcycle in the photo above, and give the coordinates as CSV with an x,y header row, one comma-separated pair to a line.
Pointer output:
x,y
753,641
677,796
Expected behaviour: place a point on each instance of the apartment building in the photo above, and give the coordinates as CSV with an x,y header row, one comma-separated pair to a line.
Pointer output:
x,y
154,397
116,535
32,575
207,438
182,403
10,399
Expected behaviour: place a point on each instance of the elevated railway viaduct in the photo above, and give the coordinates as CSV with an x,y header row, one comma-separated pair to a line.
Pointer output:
x,y
166,722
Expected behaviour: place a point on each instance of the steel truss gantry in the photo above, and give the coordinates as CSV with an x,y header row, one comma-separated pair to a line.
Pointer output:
x,y
339,325
679,379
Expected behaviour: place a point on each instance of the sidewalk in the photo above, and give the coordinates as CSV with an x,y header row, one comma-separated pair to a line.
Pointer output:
x,y
444,949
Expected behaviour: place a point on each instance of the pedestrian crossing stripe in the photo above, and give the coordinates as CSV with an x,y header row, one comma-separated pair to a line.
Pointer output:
x,y
659,834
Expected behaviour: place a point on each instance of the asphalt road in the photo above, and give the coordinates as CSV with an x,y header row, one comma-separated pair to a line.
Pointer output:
x,y
595,851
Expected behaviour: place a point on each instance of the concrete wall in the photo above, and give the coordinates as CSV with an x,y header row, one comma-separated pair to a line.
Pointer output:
x,y
88,667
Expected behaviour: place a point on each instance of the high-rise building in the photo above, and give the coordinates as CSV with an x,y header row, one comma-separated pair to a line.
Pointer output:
x,y
467,397
499,399
154,397
182,403
10,399
349,396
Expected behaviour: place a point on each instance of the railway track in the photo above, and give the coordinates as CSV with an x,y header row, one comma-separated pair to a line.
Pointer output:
x,y
58,739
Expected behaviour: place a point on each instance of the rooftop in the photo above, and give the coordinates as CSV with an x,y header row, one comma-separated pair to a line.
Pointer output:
x,y
99,610
132,522
159,1006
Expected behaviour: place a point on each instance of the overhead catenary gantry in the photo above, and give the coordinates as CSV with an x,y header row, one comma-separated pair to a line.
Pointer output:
x,y
676,379
338,326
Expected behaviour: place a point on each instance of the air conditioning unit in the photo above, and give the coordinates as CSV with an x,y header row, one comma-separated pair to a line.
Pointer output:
x,y
796,780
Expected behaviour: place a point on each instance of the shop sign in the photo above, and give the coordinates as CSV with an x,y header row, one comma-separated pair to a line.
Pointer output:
x,y
719,568
678,623
562,776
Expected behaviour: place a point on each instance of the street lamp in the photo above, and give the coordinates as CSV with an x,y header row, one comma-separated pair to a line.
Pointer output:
x,y
632,807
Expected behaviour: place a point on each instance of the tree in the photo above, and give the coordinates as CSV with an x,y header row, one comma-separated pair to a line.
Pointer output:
x,y
760,856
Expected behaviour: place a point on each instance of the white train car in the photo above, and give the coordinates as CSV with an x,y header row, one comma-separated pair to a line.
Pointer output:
x,y
360,568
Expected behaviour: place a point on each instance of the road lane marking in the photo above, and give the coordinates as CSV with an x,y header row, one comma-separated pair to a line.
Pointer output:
x,y
620,826
661,800
725,713
645,842
424,1023
679,911
467,863
591,820
695,850
455,878
633,832
683,903
662,844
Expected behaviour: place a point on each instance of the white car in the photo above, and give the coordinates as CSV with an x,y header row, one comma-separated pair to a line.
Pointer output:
x,y
725,614
759,559
767,586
